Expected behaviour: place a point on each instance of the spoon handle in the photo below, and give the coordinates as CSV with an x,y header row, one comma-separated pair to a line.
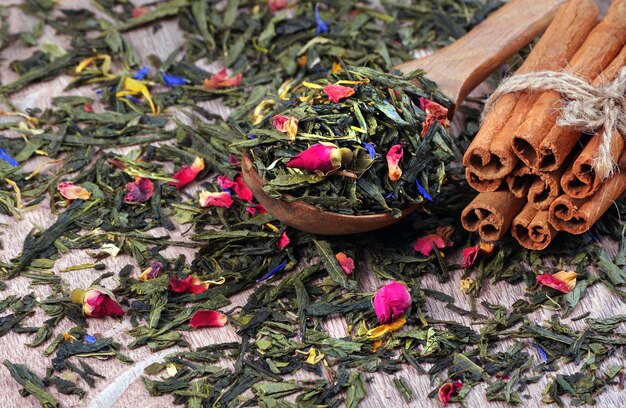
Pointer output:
x,y
464,64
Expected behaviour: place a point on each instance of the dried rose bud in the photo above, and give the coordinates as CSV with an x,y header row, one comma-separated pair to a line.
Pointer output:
x,y
139,191
321,157
391,302
97,302
73,191
151,271
562,281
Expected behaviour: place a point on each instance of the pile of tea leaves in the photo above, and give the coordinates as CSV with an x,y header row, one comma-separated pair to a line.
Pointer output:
x,y
396,151
132,166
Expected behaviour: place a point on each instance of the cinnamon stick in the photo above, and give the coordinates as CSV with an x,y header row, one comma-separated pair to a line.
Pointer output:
x,y
540,188
531,228
560,141
520,180
491,214
580,179
490,156
577,215
537,139
480,184
545,189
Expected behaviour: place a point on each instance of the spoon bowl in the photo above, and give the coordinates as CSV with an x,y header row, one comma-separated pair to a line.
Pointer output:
x,y
309,218
457,69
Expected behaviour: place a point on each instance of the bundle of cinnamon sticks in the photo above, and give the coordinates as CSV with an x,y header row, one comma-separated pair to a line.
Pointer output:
x,y
534,176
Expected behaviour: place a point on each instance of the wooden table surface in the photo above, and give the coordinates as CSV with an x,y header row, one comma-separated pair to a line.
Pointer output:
x,y
122,386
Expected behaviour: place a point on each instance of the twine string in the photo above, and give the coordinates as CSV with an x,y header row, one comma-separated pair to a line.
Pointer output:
x,y
587,108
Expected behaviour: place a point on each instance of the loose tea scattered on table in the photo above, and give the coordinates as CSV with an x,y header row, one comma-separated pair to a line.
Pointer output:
x,y
108,201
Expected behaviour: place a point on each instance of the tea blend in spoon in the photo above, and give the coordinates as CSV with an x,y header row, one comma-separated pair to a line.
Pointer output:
x,y
355,142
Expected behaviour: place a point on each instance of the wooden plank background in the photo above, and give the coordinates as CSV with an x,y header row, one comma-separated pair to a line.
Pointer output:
x,y
122,387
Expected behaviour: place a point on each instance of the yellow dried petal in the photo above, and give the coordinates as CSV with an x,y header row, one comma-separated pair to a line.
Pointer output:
x,y
383,329
568,277
272,227
18,192
261,110
88,61
134,87
314,356
171,369
311,85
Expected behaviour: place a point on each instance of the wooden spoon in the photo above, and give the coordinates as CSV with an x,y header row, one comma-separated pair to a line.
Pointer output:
x,y
457,69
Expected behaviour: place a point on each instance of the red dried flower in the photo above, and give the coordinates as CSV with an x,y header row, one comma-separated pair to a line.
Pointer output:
x,y
276,5
471,254
337,92
440,239
139,191
562,281
391,301
286,124
97,302
447,390
321,157
434,113
238,186
221,80
188,285
152,271
138,12
208,318
256,210
283,241
187,174
73,191
346,263
394,155
215,199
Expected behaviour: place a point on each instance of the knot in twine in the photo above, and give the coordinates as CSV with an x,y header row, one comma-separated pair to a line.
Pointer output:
x,y
588,108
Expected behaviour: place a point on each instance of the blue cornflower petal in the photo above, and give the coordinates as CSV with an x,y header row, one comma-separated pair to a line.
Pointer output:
x,y
371,149
273,272
173,80
142,73
133,98
90,339
322,27
542,353
7,158
423,191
